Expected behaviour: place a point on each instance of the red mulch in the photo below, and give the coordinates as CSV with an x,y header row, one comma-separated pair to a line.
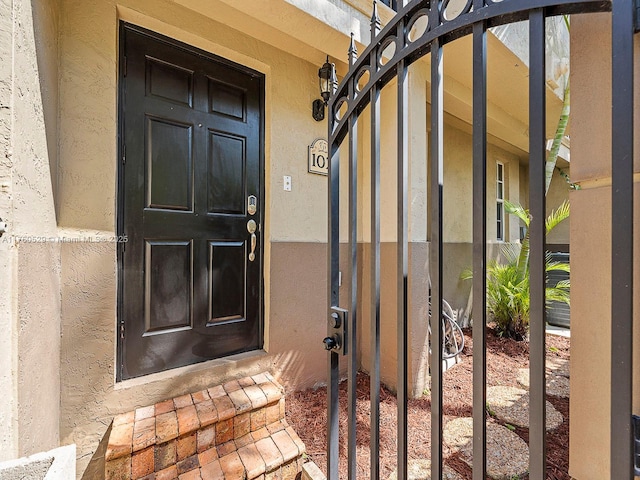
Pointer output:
x,y
306,412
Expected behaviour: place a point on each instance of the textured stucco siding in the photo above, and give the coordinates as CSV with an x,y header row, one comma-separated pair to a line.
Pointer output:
x,y
8,340
590,229
29,287
58,179
90,396
29,255
458,187
33,216
418,354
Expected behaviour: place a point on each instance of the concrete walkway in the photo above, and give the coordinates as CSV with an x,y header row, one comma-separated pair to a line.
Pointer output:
x,y
561,331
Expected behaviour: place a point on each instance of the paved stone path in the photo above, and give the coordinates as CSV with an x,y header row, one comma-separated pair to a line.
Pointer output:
x,y
507,454
511,405
557,385
558,366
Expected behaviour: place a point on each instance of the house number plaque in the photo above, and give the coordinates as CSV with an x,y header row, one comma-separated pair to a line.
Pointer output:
x,y
318,157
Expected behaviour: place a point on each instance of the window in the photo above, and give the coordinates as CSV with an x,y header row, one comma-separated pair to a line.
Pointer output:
x,y
500,201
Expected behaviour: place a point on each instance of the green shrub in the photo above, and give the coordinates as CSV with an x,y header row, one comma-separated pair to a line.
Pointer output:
x,y
508,292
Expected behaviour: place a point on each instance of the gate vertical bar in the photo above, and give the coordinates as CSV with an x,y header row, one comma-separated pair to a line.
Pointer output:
x,y
333,254
435,251
352,338
374,377
537,234
375,283
403,258
622,240
479,246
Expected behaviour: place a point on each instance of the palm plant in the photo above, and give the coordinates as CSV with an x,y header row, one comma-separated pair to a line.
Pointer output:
x,y
561,128
508,292
558,215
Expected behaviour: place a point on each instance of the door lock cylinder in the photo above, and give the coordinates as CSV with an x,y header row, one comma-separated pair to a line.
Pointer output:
x,y
336,340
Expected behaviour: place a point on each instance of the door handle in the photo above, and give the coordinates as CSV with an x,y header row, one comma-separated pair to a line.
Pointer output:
x,y
251,228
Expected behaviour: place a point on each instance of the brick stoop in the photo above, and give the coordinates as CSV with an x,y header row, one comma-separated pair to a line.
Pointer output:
x,y
235,431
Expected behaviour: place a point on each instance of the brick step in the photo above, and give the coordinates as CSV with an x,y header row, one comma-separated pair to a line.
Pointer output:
x,y
231,431
274,452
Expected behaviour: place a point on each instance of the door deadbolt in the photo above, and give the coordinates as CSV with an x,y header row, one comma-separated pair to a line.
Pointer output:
x,y
338,332
252,204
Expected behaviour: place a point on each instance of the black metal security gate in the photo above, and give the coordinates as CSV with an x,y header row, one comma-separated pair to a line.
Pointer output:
x,y
346,106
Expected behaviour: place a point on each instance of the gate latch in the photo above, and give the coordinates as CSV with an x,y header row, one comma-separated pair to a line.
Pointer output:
x,y
636,444
336,341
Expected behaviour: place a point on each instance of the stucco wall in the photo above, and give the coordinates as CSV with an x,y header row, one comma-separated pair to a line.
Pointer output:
x,y
418,354
458,209
458,187
29,253
87,207
590,228
591,300
294,227
9,340
457,234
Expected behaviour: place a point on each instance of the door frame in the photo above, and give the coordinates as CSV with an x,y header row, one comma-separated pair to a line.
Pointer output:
x,y
120,194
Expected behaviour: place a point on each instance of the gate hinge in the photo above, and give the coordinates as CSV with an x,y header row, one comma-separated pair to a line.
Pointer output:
x,y
124,153
122,331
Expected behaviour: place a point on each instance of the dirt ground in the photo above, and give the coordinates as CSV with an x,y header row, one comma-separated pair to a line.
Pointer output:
x,y
306,411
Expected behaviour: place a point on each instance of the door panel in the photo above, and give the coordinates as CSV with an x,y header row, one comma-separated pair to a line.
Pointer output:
x,y
168,285
227,154
226,282
169,82
169,174
227,100
191,127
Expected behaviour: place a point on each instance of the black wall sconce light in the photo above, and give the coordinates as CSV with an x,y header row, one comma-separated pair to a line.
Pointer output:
x,y
328,82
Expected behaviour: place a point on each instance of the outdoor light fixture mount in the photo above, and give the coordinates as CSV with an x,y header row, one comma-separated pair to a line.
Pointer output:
x,y
318,110
328,83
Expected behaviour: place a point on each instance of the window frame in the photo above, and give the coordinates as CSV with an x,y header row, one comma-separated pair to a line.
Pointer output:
x,y
393,4
500,215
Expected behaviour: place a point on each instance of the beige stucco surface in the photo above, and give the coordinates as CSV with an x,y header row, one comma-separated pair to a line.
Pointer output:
x,y
458,188
299,302
590,353
417,165
8,341
58,170
29,289
590,229
418,353
87,206
307,29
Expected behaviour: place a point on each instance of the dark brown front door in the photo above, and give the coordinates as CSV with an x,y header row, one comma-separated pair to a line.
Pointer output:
x,y
191,142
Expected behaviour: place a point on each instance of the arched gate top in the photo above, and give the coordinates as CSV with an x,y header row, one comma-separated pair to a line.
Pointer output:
x,y
408,37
